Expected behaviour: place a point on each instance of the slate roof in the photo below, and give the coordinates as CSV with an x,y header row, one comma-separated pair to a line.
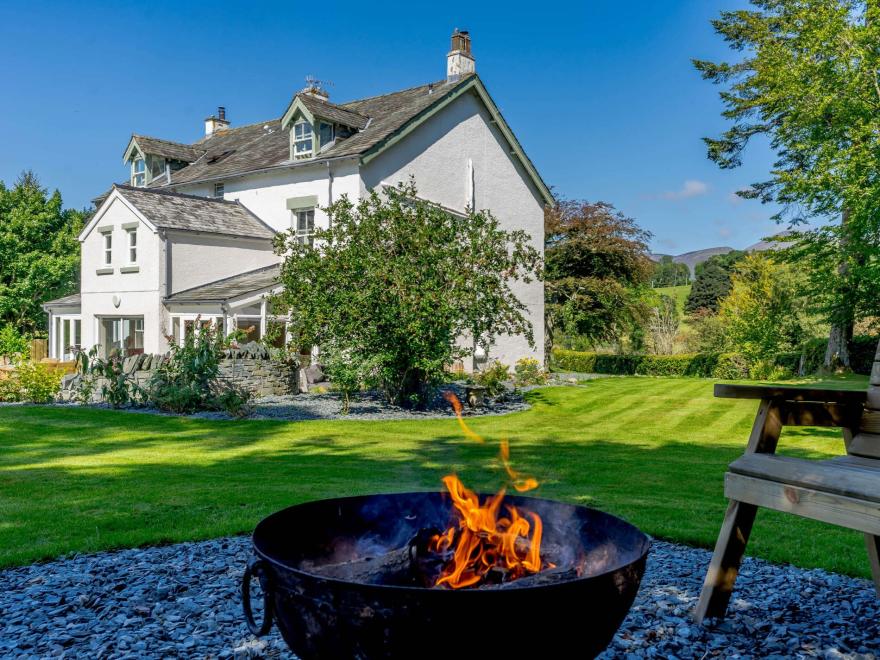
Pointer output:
x,y
65,301
170,210
333,112
229,287
166,148
263,145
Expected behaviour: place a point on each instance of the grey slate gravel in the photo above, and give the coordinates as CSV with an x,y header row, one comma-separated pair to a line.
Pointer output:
x,y
182,601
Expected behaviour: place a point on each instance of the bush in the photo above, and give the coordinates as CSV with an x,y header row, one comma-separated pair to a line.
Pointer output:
x,y
706,365
861,354
13,343
187,381
529,371
492,377
31,382
119,389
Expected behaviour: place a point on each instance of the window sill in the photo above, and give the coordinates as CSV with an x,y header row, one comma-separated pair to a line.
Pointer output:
x,y
130,269
104,271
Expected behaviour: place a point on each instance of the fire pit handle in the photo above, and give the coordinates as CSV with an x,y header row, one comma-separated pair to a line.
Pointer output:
x,y
255,568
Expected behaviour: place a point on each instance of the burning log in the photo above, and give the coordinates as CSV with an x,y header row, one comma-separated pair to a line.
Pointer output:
x,y
394,567
541,579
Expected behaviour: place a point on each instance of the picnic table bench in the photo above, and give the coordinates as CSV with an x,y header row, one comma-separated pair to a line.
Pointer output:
x,y
844,490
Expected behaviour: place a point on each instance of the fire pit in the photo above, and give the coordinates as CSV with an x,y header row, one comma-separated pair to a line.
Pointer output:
x,y
353,578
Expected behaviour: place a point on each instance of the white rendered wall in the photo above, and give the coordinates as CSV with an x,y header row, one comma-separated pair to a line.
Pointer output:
x,y
195,258
266,194
137,293
437,155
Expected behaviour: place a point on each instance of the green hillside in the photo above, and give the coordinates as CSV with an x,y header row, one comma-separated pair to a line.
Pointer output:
x,y
680,293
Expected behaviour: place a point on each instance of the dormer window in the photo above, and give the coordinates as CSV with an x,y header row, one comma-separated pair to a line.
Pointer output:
x,y
326,134
302,139
138,172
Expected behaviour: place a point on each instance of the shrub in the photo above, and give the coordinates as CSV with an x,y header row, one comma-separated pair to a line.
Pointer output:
x,y
347,374
768,370
31,382
706,365
492,377
13,343
394,280
529,371
119,389
187,380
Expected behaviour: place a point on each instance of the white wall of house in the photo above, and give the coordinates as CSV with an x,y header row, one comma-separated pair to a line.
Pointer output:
x,y
437,154
117,293
266,193
195,258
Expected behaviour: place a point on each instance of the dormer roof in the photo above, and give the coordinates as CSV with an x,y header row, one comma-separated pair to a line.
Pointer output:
x,y
158,147
312,108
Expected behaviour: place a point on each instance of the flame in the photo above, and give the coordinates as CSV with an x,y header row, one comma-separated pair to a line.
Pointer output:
x,y
485,539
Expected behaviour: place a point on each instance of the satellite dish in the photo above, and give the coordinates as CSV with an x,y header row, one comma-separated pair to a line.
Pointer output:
x,y
117,301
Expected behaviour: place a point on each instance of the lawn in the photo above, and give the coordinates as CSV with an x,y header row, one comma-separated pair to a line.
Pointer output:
x,y
652,450
679,293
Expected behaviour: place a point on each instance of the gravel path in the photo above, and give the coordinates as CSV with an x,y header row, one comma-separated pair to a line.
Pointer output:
x,y
182,601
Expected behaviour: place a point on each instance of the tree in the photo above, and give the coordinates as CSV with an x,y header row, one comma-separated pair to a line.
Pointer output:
x,y
766,312
596,271
664,324
669,273
808,81
394,284
39,252
712,282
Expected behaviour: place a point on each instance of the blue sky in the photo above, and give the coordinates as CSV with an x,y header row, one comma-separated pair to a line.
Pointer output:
x,y
601,94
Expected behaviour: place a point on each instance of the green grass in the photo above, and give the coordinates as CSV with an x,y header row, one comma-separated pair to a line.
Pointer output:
x,y
653,450
680,293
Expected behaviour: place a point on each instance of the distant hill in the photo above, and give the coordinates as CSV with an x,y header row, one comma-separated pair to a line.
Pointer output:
x,y
691,259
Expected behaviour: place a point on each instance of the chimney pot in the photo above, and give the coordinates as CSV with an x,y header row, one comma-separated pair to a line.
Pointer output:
x,y
216,123
221,112
460,60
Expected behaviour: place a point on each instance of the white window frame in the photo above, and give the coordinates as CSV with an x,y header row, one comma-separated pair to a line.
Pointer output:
x,y
132,245
63,335
306,235
216,320
219,190
139,171
108,247
303,134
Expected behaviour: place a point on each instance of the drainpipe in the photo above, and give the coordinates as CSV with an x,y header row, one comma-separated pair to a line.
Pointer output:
x,y
329,184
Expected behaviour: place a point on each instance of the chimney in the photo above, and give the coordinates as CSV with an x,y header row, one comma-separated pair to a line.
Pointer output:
x,y
459,60
217,122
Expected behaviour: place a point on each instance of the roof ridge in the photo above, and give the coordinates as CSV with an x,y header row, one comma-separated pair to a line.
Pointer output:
x,y
150,137
399,91
171,193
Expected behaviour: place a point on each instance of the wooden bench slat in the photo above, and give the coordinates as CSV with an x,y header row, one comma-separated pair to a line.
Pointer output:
x,y
827,476
810,503
869,465
729,391
866,445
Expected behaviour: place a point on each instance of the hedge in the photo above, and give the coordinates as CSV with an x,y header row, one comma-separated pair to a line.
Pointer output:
x,y
707,365
713,365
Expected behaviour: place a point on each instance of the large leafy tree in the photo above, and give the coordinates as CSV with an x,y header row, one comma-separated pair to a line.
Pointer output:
x,y
807,79
766,311
39,252
596,272
669,273
391,288
712,282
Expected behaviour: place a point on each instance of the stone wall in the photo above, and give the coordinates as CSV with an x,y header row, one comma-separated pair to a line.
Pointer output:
x,y
259,375
262,377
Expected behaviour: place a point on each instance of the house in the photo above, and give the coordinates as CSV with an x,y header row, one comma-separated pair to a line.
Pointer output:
x,y
189,239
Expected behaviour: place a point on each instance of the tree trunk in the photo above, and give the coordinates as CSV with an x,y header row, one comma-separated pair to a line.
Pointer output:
x,y
837,353
548,338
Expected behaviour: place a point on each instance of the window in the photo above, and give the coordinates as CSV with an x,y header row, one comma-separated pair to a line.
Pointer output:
x,y
108,248
138,172
302,139
132,245
326,133
123,335
219,189
157,166
304,226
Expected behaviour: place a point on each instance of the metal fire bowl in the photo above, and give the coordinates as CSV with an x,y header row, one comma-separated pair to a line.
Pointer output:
x,y
324,618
